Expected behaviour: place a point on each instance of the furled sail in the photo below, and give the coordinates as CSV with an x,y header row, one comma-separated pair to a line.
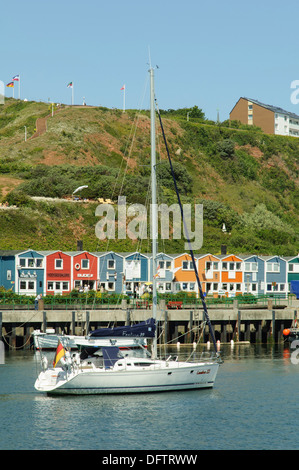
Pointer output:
x,y
144,329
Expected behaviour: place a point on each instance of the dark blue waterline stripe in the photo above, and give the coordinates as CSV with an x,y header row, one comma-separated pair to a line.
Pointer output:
x,y
147,386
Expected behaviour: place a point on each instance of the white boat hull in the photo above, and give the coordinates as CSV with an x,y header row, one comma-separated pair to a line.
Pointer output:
x,y
158,378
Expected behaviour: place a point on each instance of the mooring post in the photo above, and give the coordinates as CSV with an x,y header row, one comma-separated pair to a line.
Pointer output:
x,y
259,332
73,322
44,321
128,316
27,336
87,323
13,336
190,329
239,326
165,327
273,326
223,333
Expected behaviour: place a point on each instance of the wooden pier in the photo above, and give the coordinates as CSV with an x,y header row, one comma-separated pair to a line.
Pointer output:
x,y
255,324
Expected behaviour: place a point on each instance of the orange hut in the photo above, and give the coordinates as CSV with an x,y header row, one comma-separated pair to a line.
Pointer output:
x,y
184,275
208,267
231,274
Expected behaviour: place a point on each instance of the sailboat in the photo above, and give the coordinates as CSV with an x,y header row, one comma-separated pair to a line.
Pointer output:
x,y
109,370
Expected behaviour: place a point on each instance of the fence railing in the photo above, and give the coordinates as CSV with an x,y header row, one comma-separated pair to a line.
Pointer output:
x,y
114,301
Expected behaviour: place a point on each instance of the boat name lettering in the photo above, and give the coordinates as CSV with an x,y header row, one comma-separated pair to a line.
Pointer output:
x,y
203,371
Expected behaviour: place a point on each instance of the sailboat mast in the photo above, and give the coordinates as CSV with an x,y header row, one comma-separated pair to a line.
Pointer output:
x,y
154,214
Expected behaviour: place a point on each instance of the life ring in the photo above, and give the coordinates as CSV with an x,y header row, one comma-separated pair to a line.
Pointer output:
x,y
77,266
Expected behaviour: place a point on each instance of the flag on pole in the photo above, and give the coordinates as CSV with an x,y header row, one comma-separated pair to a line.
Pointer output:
x,y
11,85
60,352
16,78
70,85
124,89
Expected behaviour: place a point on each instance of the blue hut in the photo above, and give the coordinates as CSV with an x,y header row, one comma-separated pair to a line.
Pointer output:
x,y
30,273
254,275
164,274
136,271
111,272
275,276
8,268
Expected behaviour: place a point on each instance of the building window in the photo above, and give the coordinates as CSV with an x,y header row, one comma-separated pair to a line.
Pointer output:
x,y
187,265
273,267
58,264
111,264
85,263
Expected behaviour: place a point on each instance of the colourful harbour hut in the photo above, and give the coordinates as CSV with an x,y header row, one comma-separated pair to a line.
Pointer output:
x,y
85,270
58,272
208,267
136,272
184,275
30,273
164,273
276,283
111,272
253,275
293,274
231,275
8,268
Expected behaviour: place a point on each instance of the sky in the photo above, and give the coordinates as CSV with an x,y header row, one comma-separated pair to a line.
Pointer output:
x,y
209,54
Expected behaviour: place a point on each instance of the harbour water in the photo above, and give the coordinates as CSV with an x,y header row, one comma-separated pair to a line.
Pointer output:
x,y
253,405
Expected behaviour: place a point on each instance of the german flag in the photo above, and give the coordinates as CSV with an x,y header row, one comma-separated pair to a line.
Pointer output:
x,y
60,352
10,85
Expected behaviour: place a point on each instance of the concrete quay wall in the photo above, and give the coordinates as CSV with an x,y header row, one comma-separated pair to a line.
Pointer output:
x,y
254,324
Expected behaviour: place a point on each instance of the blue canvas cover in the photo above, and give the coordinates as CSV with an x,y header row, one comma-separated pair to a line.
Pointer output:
x,y
295,288
144,329
111,355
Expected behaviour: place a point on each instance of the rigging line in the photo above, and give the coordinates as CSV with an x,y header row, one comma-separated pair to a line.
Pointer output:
x,y
187,236
137,118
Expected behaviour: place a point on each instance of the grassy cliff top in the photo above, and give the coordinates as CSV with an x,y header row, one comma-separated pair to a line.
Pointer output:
x,y
244,178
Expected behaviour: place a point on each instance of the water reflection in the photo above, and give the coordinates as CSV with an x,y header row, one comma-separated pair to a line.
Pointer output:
x,y
254,393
